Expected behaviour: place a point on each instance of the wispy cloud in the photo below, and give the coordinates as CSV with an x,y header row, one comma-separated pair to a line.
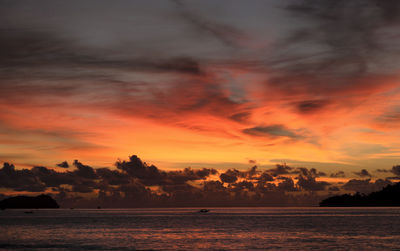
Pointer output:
x,y
227,34
273,131
318,84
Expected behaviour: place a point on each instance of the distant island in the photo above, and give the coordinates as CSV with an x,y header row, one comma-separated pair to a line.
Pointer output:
x,y
387,197
41,201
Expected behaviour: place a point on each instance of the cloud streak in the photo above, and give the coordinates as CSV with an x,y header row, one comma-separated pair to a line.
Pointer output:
x,y
311,81
272,131
226,34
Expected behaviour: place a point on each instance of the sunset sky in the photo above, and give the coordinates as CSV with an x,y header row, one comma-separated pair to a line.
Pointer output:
x,y
205,84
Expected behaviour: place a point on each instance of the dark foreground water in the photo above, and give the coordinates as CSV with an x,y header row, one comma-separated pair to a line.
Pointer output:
x,y
185,229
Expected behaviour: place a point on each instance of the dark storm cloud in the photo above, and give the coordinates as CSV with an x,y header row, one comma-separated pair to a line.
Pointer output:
x,y
363,173
63,164
272,131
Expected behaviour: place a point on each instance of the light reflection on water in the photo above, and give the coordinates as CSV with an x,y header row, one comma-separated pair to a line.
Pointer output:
x,y
184,228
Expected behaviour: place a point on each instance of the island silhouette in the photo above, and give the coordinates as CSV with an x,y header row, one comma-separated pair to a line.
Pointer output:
x,y
387,197
41,201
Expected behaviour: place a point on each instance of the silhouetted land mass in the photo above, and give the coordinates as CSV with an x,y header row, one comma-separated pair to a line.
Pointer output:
x,y
41,201
387,197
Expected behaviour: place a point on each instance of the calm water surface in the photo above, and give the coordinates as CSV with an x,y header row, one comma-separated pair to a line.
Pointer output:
x,y
185,229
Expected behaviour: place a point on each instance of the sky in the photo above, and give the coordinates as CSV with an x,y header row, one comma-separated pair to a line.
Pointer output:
x,y
220,85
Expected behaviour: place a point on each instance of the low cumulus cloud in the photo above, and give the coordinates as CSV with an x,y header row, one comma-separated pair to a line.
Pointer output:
x,y
339,174
309,183
134,183
252,161
365,186
151,175
363,173
280,169
307,179
63,164
309,172
395,170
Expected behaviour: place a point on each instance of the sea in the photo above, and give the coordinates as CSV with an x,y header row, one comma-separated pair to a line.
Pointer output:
x,y
308,228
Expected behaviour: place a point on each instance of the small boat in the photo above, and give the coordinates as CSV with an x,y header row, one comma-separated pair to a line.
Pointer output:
x,y
28,212
204,211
